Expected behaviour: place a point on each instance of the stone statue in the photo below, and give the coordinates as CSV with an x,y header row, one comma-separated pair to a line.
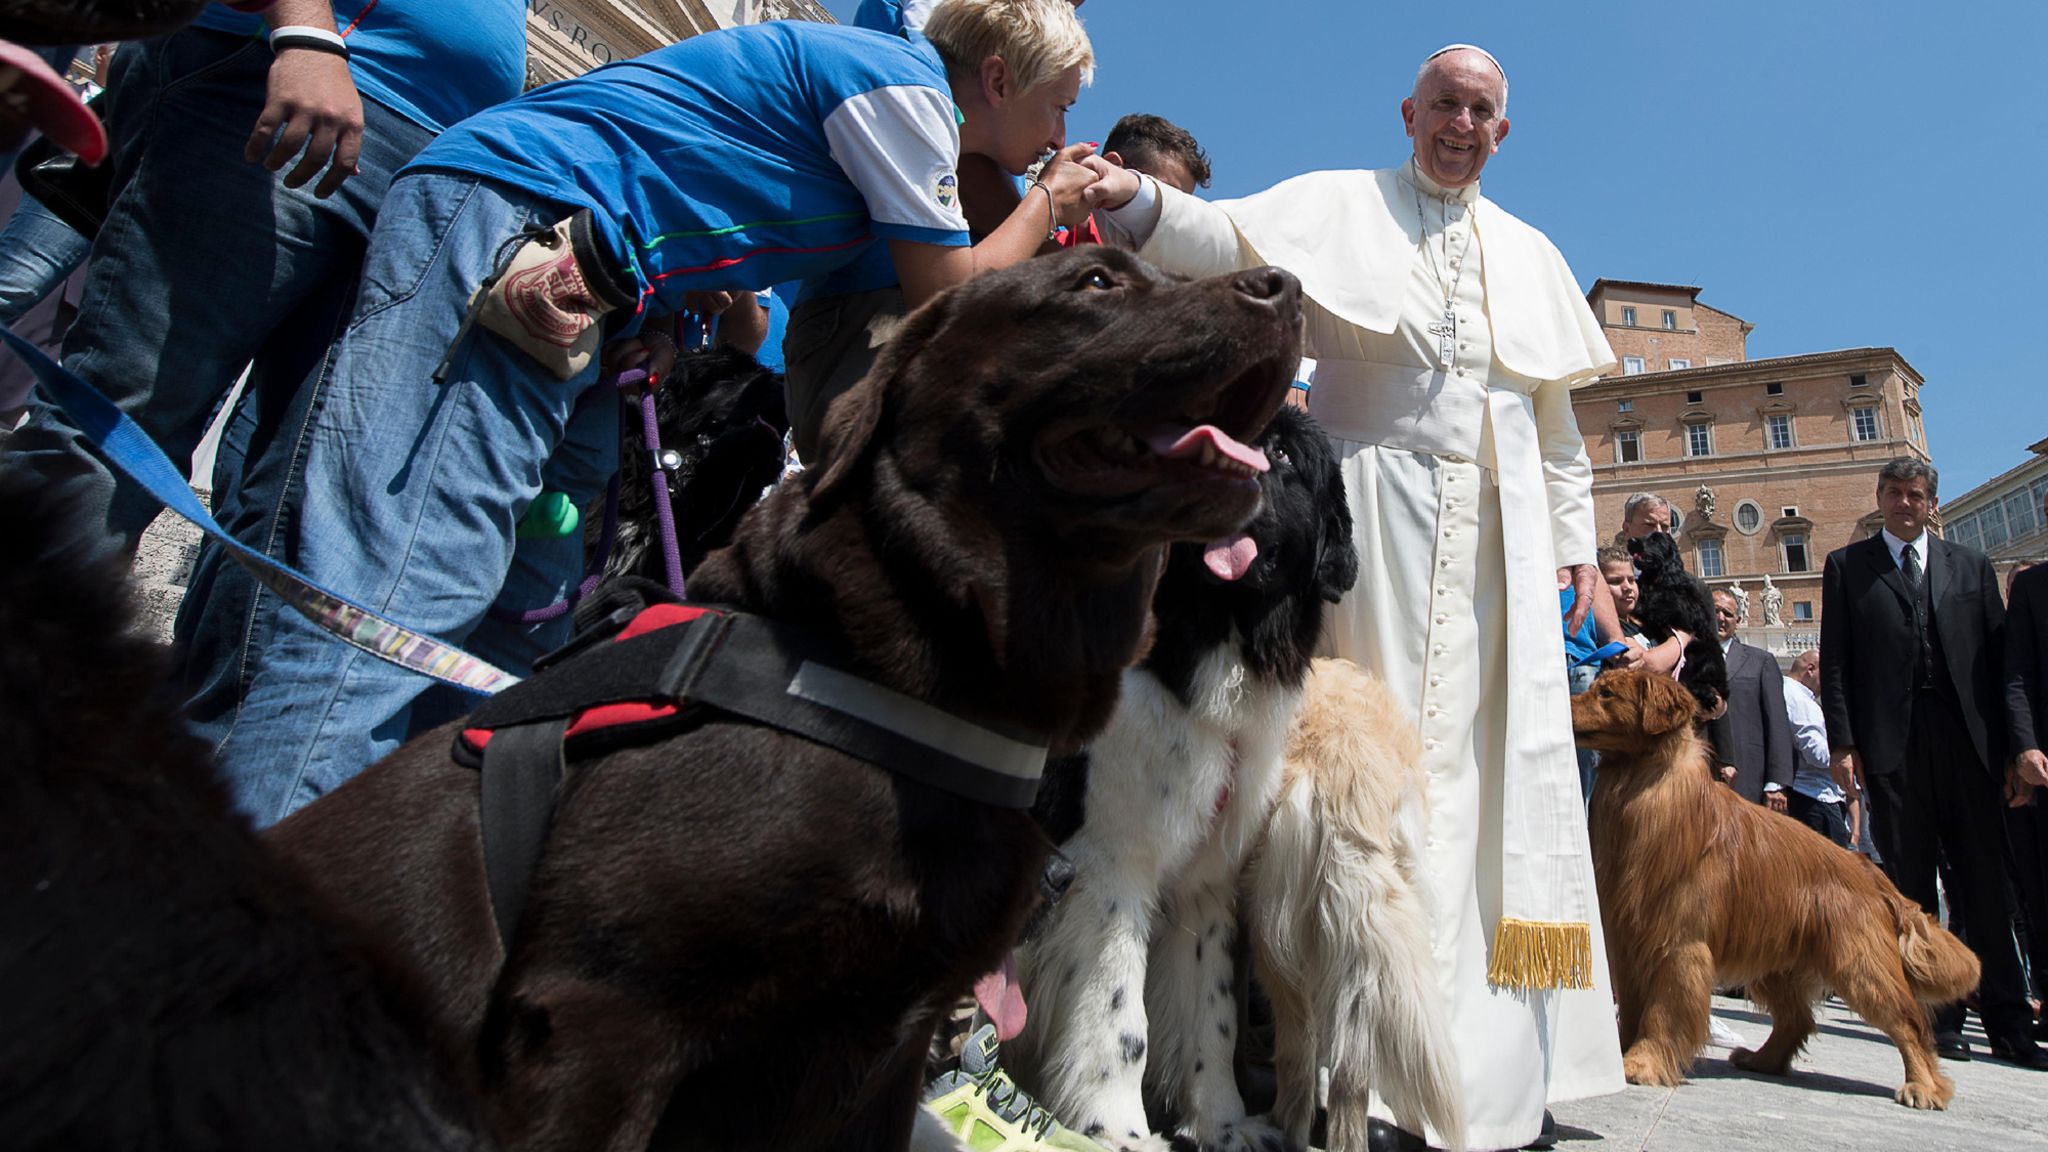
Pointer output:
x,y
1741,595
1774,604
1703,502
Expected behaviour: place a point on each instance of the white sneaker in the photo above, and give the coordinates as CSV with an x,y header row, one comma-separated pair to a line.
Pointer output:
x,y
1722,1036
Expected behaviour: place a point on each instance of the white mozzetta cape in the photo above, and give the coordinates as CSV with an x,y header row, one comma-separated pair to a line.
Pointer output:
x,y
1351,236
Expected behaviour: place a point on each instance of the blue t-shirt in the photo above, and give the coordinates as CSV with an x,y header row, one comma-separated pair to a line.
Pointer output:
x,y
896,17
736,159
433,62
1581,644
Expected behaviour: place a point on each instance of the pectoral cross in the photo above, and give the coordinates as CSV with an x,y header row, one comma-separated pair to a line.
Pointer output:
x,y
1446,333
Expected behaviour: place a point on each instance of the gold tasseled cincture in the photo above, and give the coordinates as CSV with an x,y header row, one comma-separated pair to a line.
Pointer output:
x,y
1535,954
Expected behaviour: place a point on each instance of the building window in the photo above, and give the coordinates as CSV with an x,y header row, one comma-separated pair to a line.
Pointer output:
x,y
1677,364
1628,447
1628,317
1625,406
1699,439
1695,397
1631,365
2040,490
2019,515
1774,389
1711,565
1802,611
1795,552
1866,423
1991,525
1748,517
1859,380
1964,532
1778,430
1670,319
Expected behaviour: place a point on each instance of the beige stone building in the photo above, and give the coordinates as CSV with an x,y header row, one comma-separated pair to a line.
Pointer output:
x,y
569,37
1769,464
2003,517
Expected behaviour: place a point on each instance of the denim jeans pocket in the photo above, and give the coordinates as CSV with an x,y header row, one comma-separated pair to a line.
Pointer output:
x,y
415,225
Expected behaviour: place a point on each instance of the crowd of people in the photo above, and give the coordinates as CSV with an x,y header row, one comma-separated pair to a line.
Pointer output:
x,y
423,272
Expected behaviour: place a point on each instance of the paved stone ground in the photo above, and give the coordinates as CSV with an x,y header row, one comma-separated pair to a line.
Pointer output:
x,y
1838,1098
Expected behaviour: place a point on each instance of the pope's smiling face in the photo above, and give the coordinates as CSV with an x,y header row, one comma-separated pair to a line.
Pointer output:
x,y
1456,117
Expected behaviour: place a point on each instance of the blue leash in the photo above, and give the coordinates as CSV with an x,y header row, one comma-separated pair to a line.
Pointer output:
x,y
129,448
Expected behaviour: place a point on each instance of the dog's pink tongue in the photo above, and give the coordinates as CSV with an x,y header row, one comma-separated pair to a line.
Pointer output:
x,y
1181,443
1231,557
1002,999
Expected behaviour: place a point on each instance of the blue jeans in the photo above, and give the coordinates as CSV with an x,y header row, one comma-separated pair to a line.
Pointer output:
x,y
38,252
205,261
1580,678
412,493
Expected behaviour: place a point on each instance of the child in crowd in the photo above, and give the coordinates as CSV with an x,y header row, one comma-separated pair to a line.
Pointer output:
x,y
556,233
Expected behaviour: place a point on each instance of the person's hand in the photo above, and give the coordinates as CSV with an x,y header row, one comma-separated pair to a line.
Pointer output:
x,y
654,349
1774,799
1727,773
1579,578
2032,766
2019,791
1847,769
1297,398
1632,655
312,111
707,303
1719,710
1114,185
1067,176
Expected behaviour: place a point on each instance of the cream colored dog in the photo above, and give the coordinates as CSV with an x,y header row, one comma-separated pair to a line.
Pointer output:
x,y
1340,924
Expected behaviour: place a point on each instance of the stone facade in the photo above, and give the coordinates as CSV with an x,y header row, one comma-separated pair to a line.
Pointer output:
x,y
1788,447
569,37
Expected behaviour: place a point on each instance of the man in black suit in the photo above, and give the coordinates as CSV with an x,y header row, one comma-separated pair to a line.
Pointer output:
x,y
2026,710
1754,735
1911,648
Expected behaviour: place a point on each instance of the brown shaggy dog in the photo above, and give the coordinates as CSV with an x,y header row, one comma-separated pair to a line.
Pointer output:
x,y
754,935
1340,921
1699,887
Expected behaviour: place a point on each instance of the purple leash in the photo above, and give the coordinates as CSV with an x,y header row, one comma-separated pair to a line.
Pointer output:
x,y
660,463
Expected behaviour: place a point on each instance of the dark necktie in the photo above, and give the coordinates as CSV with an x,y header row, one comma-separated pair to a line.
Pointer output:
x,y
1909,566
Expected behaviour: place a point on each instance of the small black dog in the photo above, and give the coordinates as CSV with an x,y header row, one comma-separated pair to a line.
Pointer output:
x,y
1675,600
722,413
165,982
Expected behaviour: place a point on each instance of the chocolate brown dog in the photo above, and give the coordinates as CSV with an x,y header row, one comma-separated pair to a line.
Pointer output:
x,y
745,938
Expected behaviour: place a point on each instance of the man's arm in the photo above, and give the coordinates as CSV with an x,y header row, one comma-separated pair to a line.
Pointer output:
x,y
1180,233
1778,756
1837,658
1809,731
2023,680
311,110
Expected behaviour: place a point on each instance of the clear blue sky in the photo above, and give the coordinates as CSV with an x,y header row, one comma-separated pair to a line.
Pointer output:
x,y
1837,174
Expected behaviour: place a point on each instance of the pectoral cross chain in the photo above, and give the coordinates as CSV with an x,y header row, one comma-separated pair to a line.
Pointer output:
x,y
1446,333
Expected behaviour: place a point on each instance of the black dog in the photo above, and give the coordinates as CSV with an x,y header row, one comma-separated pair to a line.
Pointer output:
x,y
164,982
753,934
721,413
1673,599
1133,985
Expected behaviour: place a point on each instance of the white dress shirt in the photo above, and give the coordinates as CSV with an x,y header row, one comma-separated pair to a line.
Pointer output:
x,y
1898,546
1810,744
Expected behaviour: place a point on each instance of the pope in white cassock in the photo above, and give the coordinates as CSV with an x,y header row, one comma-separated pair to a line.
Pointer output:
x,y
1448,336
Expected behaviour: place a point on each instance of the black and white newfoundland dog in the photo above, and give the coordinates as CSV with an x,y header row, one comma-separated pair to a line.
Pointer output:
x,y
1131,981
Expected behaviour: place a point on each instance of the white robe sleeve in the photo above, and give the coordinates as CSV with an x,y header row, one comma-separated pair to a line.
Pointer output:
x,y
1567,474
1182,233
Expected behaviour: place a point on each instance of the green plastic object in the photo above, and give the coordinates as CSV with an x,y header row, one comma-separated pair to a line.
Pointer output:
x,y
551,516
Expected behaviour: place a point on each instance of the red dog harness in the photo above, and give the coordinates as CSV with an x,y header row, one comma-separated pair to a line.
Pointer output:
x,y
646,673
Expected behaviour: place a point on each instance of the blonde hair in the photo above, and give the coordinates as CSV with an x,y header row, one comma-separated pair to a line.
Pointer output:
x,y
1038,39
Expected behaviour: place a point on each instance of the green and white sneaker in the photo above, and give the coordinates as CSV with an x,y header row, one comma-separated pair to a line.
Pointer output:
x,y
985,1110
